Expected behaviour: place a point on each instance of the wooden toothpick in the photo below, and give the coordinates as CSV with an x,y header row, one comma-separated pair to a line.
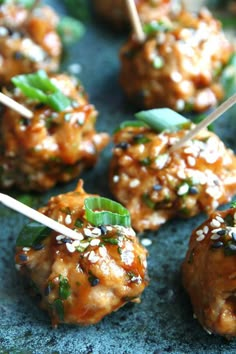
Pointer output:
x,y
37,216
211,118
9,102
135,21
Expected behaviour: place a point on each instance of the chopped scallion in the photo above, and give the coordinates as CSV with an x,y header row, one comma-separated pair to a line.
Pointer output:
x,y
32,233
70,30
103,211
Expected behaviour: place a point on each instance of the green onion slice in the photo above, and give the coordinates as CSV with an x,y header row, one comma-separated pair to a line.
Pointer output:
x,y
156,26
39,87
70,30
163,119
103,211
131,123
31,234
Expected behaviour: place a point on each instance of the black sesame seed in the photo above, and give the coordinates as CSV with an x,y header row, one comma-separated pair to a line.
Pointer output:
x,y
193,190
221,232
18,55
23,257
233,234
232,247
94,281
157,187
38,246
47,290
123,145
138,136
39,105
25,121
103,229
66,240
217,244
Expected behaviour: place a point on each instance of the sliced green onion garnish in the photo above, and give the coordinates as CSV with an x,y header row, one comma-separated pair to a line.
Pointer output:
x,y
31,234
163,119
39,87
156,26
70,30
131,123
103,211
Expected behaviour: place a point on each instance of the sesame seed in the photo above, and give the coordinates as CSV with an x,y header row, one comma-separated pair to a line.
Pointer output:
x,y
18,266
215,223
68,219
233,234
200,237
181,174
70,247
193,190
217,244
23,257
220,219
96,231
220,232
116,179
215,237
95,242
157,187
60,237
26,249
103,229
38,246
102,251
191,161
134,183
92,257
183,189
232,247
88,232
199,232
205,229
76,243
146,242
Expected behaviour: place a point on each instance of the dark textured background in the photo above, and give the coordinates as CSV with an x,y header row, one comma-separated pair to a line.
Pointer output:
x,y
163,322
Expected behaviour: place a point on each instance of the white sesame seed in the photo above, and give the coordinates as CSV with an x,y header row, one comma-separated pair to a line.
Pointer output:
x,y
95,242
26,249
109,228
60,237
93,258
200,238
215,237
87,232
214,231
96,231
76,243
220,219
215,223
205,229
134,183
199,232
146,242
102,251
70,247
116,179
181,174
68,219
18,266
191,161
183,189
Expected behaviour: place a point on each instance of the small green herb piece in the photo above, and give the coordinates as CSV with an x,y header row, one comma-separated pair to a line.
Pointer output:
x,y
146,161
31,234
229,220
64,288
79,223
141,139
103,211
163,119
156,26
93,280
70,30
130,123
39,87
157,62
59,308
112,241
233,204
147,200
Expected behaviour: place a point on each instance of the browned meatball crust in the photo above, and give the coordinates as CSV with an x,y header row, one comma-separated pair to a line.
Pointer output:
x,y
28,41
52,147
178,66
84,280
115,11
156,186
209,273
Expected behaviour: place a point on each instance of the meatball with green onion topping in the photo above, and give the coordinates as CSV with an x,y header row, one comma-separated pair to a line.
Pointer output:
x,y
209,273
155,184
179,65
28,39
81,280
57,143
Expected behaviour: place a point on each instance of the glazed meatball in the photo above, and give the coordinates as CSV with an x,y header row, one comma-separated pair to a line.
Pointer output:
x,y
155,185
51,147
28,40
115,12
81,281
209,273
179,64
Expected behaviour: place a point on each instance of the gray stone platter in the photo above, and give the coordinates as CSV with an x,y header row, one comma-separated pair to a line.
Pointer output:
x,y
163,322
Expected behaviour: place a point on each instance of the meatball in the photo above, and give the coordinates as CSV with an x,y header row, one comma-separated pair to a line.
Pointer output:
x,y
28,40
155,185
178,66
209,273
115,12
81,281
51,147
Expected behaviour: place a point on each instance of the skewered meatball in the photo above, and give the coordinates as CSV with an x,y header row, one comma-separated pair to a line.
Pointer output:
x,y
52,147
209,273
179,64
115,12
28,40
83,280
156,186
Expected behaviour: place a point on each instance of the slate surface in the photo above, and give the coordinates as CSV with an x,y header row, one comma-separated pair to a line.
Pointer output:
x,y
163,322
